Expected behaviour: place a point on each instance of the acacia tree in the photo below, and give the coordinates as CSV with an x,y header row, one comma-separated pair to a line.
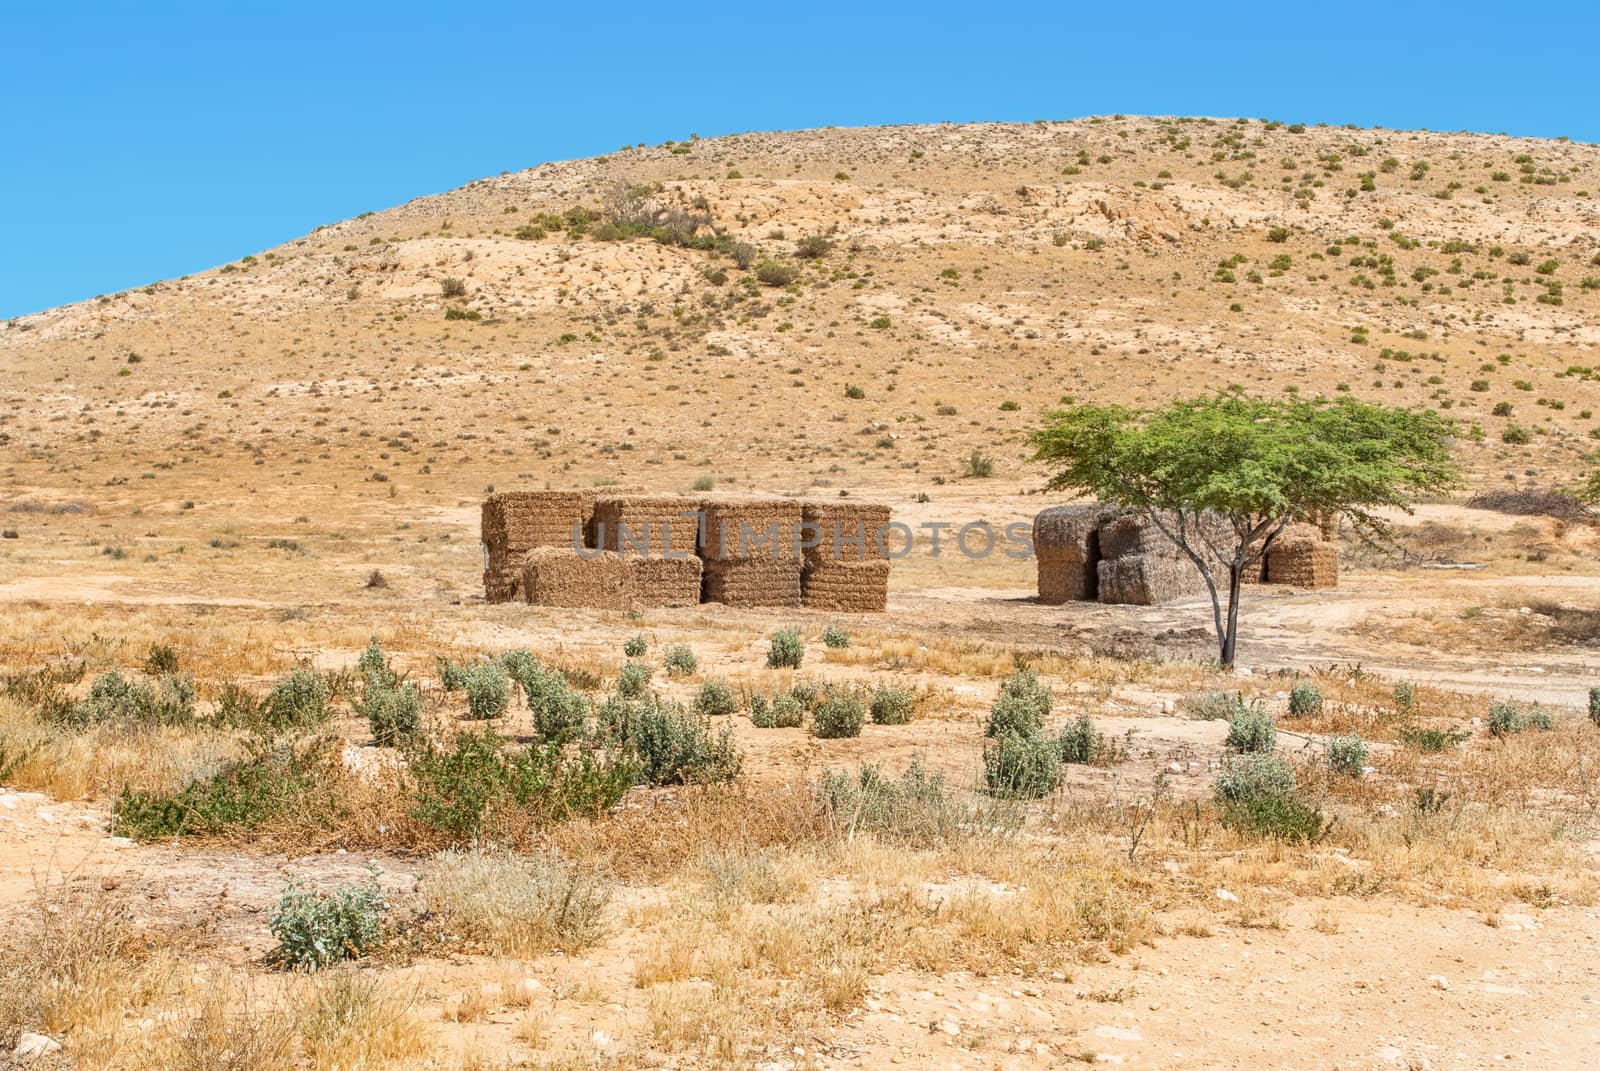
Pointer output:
x,y
1223,476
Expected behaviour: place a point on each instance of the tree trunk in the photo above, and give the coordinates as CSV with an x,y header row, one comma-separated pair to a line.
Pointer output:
x,y
1230,635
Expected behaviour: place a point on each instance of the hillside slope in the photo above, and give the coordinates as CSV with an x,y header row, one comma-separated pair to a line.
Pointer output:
x,y
969,277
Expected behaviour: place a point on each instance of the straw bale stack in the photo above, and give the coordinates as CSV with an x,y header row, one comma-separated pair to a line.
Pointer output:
x,y
560,576
1147,579
860,587
659,522
1066,547
750,527
515,522
1303,561
665,581
845,531
753,581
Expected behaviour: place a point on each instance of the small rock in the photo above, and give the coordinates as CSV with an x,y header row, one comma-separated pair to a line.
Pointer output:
x,y
949,1026
33,1046
1224,894
1438,981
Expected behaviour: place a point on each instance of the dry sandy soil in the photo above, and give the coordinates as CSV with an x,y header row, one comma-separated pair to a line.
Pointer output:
x,y
220,463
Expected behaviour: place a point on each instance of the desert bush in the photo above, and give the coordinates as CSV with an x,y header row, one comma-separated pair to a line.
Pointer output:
x,y
1305,700
916,808
1214,706
513,904
840,713
675,748
714,699
1405,696
452,675
1080,741
558,710
771,273
891,705
1283,816
1432,740
1022,766
298,701
393,713
160,660
1594,705
977,465
316,929
782,711
488,690
812,246
635,646
1347,755
680,661
633,680
835,638
242,795
1254,775
452,287
1507,719
785,649
1251,729
115,700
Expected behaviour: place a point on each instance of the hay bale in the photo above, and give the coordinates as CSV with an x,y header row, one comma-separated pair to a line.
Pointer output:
x,y
560,576
845,531
503,582
514,522
753,581
646,525
1303,562
860,587
665,581
1147,579
749,528
1066,550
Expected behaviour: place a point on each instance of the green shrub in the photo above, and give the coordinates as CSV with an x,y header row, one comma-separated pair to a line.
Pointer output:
x,y
1080,741
452,675
1021,707
1505,719
1254,775
675,748
394,714
1431,740
1347,755
680,661
1022,766
634,647
780,712
115,700
373,666
1594,705
1215,706
316,929
771,273
891,705
785,650
835,638
558,710
633,680
1305,700
977,465
841,713
916,808
1405,696
1251,729
715,699
1285,817
242,795
488,691
298,701
161,660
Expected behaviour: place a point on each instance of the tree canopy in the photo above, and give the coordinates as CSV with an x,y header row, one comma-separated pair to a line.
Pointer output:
x,y
1254,464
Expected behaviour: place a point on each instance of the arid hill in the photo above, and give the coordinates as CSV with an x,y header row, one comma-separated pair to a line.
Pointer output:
x,y
836,307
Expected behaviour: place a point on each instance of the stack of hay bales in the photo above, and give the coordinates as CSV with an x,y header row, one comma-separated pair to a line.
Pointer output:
x,y
1303,558
646,525
515,522
750,547
671,581
560,576
847,568
1066,547
1140,566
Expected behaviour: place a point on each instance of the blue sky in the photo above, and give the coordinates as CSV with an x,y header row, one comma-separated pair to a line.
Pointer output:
x,y
140,142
